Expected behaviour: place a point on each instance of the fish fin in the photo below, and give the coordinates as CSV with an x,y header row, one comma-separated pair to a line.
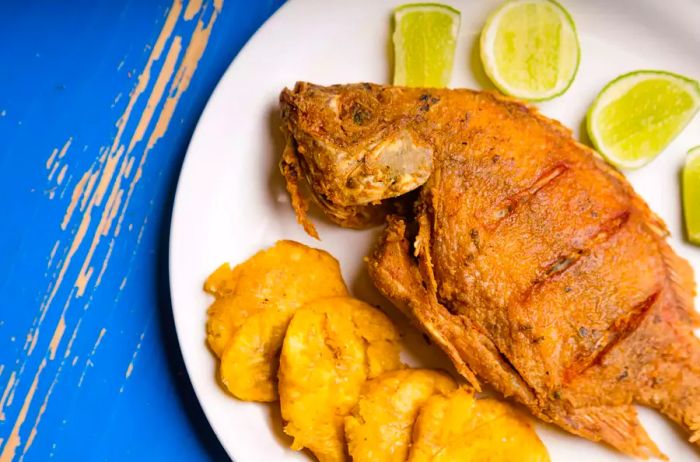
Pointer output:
x,y
682,283
695,429
671,381
398,278
402,279
676,391
465,337
291,170
617,426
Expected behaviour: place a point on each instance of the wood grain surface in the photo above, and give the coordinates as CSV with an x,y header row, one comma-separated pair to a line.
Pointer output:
x,y
98,101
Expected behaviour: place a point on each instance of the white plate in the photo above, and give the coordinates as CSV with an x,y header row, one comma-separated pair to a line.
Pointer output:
x,y
231,202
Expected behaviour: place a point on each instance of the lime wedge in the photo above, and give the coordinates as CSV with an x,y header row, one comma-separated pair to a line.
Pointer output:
x,y
691,195
530,50
638,114
425,36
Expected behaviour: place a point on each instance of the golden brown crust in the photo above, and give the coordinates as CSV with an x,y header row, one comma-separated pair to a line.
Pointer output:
x,y
349,173
534,265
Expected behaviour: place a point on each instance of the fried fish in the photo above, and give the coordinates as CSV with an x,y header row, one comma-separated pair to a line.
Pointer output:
x,y
527,258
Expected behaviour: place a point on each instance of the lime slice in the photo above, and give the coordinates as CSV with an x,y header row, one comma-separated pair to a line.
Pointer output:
x,y
530,50
425,36
638,114
691,195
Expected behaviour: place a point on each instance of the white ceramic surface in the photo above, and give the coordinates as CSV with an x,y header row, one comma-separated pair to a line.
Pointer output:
x,y
231,202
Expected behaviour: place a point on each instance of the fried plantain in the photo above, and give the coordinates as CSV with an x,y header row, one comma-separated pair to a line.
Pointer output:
x,y
273,284
459,427
250,360
331,348
221,282
226,314
379,428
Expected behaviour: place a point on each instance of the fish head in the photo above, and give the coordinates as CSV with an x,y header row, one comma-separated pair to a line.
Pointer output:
x,y
356,144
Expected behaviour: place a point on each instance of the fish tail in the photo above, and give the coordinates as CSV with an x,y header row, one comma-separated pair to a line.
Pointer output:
x,y
676,392
672,383
617,426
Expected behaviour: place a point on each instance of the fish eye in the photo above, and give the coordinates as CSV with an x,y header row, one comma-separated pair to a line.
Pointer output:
x,y
359,113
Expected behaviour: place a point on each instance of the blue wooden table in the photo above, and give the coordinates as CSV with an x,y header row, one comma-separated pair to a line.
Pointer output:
x,y
98,100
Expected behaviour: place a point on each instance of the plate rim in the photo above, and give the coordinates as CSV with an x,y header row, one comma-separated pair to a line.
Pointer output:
x,y
230,69
190,365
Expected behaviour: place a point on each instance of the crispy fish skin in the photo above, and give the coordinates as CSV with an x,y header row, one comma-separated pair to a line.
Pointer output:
x,y
531,261
353,160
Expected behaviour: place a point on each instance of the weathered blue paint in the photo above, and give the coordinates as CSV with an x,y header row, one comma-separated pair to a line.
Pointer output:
x,y
118,390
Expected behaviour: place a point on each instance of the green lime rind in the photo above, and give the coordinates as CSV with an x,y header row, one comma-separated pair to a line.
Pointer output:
x,y
691,195
652,142
427,5
490,68
425,39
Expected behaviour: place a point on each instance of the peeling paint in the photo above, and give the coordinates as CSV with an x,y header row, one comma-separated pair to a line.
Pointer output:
x,y
75,198
53,253
129,370
193,7
88,361
105,262
108,167
193,54
54,167
52,162
57,336
52,157
35,337
157,92
65,147
5,394
130,367
42,409
108,183
72,339
11,396
61,174
13,441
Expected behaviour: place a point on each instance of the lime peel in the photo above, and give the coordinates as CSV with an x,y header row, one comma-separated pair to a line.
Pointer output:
x,y
691,195
530,49
637,115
